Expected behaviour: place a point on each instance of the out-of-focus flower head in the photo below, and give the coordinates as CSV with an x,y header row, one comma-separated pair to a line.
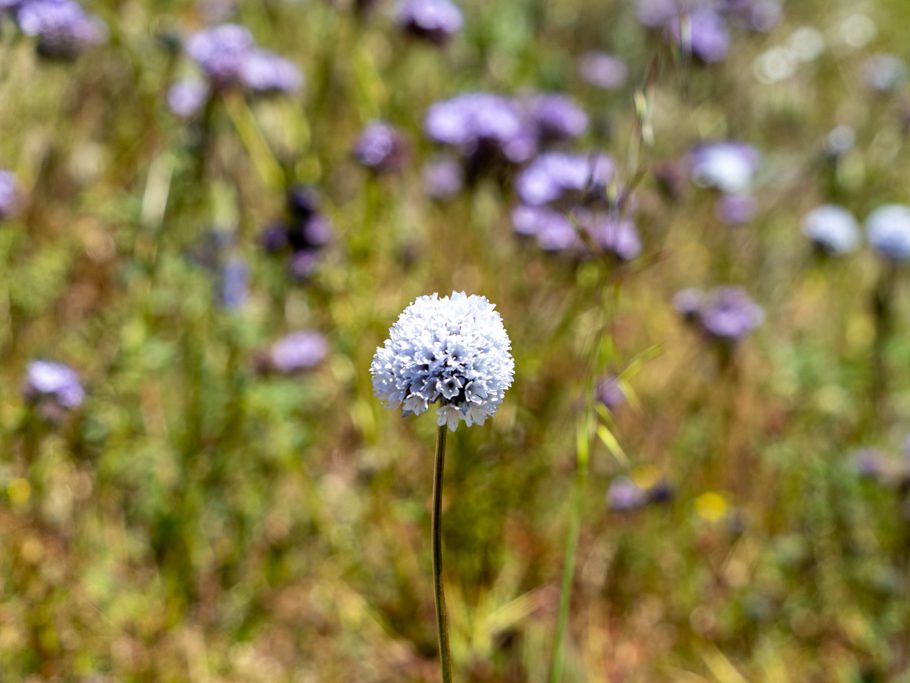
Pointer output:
x,y
603,70
433,20
832,229
624,495
839,141
187,97
614,235
304,232
552,229
736,209
485,128
443,178
888,231
381,148
610,393
558,177
8,194
756,15
702,32
62,27
47,380
233,283
453,350
297,352
725,166
229,57
303,200
725,314
555,117
884,72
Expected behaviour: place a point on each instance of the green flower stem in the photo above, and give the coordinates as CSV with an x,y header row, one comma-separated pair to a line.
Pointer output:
x,y
442,625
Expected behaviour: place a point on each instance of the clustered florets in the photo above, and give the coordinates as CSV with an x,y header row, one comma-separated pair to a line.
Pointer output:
x,y
452,350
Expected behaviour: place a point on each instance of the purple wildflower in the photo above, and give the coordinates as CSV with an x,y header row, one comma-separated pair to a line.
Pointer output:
x,y
186,98
298,351
736,209
832,229
433,20
552,230
725,166
704,34
8,194
381,148
602,70
888,231
624,495
54,381
610,393
556,117
556,176
725,314
62,27
616,236
265,73
220,52
443,178
233,283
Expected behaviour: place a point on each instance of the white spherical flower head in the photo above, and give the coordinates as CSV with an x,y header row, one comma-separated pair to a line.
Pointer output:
x,y
453,350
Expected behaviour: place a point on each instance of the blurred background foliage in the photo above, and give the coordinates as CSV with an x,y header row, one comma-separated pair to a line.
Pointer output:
x,y
197,519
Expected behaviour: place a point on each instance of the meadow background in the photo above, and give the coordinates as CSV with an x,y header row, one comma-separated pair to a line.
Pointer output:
x,y
202,516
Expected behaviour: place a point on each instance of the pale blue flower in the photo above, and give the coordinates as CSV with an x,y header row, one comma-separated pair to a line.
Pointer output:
x,y
888,230
832,229
451,350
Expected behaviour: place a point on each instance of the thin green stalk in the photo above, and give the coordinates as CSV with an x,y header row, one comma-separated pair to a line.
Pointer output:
x,y
442,626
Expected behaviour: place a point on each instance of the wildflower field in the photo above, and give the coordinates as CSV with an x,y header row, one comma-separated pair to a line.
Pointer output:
x,y
670,348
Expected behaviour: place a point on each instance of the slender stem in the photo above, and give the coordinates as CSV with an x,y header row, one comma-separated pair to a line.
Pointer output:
x,y
442,625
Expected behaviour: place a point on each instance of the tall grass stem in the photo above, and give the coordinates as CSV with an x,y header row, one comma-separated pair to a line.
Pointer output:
x,y
442,625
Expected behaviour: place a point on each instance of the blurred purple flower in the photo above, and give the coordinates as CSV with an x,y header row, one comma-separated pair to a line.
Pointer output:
x,y
556,117
381,148
602,70
728,314
726,166
234,280
187,97
756,15
557,176
264,72
303,264
704,34
736,209
310,233
610,393
62,27
303,200
298,351
552,230
55,381
443,178
832,229
8,194
433,20
220,52
616,236
657,13
888,231
484,127
624,495
688,303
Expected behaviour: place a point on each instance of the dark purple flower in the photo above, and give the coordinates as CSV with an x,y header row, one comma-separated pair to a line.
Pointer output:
x,y
8,194
54,381
602,70
560,177
728,314
265,73
381,148
610,393
298,351
624,495
433,20
303,200
311,233
185,98
233,283
556,117
613,235
736,209
62,27
443,178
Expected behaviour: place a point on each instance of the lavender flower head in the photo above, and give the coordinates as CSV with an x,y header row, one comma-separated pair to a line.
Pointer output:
x,y
888,231
609,392
381,148
187,97
624,495
556,117
62,27
443,178
229,57
704,34
832,229
452,349
552,230
555,176
8,194
725,166
433,20
614,235
725,314
479,124
298,351
736,209
233,284
54,381
602,70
